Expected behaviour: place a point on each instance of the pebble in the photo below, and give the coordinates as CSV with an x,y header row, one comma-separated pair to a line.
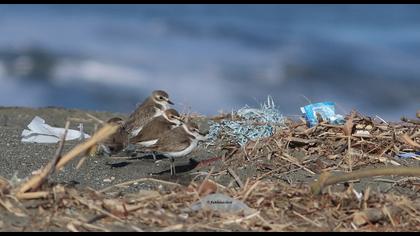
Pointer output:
x,y
183,216
360,126
109,180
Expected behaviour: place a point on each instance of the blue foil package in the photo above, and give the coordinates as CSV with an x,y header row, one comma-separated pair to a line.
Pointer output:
x,y
325,109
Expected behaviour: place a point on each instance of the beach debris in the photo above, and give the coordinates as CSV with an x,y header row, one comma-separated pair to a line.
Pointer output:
x,y
222,203
207,187
327,178
373,215
40,132
363,133
252,124
414,155
264,205
322,111
27,188
109,180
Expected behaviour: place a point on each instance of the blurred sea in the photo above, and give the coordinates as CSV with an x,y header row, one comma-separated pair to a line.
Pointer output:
x,y
212,57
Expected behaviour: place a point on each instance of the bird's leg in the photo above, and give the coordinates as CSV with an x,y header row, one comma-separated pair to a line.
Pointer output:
x,y
105,149
172,166
154,158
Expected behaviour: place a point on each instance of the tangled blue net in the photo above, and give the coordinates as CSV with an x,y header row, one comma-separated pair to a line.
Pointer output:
x,y
253,124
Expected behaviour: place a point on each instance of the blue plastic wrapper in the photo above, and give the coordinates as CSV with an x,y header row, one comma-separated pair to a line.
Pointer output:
x,y
408,154
325,109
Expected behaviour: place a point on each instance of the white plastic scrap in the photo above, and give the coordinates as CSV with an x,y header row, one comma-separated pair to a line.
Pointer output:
x,y
40,132
255,123
222,203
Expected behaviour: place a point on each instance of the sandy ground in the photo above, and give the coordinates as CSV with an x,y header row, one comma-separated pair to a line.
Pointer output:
x,y
99,172
23,158
96,172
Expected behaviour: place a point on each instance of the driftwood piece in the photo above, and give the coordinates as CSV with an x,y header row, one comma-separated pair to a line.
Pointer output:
x,y
327,179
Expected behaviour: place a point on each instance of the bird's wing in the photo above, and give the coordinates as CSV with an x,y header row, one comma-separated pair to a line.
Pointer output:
x,y
153,130
140,117
140,107
175,146
171,142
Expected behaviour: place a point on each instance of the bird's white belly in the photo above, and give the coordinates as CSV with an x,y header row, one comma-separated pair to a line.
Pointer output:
x,y
183,152
148,143
136,131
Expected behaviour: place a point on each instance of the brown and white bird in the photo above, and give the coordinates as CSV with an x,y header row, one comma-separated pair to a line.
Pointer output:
x,y
117,141
178,142
152,107
152,131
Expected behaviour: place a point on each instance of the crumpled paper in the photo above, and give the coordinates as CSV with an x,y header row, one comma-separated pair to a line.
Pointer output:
x,y
40,132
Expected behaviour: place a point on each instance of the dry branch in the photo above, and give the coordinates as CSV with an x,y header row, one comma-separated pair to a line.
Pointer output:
x,y
326,179
37,180
101,135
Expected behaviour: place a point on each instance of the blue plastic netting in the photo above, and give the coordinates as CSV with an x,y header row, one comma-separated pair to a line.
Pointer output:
x,y
254,123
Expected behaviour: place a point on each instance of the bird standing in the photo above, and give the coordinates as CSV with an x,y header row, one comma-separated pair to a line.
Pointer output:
x,y
178,142
152,107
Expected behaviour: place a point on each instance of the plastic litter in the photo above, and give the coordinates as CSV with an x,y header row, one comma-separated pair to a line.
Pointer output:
x,y
325,109
40,132
254,124
409,155
222,203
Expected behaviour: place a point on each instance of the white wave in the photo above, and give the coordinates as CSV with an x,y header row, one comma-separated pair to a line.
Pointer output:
x,y
99,72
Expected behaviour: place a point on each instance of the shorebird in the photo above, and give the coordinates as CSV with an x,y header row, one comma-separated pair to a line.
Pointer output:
x,y
118,140
152,107
178,142
152,131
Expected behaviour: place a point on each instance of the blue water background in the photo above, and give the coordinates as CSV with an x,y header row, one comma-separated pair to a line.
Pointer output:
x,y
212,57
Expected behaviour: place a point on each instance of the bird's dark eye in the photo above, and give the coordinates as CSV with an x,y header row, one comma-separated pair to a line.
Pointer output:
x,y
161,98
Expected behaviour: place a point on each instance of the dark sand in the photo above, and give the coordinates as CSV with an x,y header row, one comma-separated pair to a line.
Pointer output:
x,y
24,158
96,172
100,172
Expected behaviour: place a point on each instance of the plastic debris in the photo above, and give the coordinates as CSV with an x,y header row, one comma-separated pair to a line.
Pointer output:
x,y
253,124
325,109
358,195
40,132
409,155
222,203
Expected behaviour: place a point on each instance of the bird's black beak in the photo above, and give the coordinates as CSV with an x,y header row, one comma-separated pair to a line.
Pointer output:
x,y
170,102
